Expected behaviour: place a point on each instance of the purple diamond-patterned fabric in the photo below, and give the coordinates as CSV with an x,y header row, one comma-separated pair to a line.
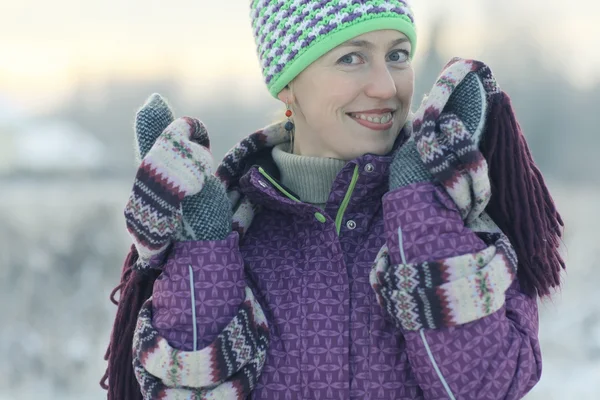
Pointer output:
x,y
431,225
218,279
330,339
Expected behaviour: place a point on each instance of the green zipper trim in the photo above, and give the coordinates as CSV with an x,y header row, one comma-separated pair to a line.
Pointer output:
x,y
278,186
342,210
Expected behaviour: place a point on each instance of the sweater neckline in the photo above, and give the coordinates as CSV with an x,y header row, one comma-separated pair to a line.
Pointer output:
x,y
309,177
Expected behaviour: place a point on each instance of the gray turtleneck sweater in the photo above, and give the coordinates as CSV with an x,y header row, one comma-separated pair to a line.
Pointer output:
x,y
309,177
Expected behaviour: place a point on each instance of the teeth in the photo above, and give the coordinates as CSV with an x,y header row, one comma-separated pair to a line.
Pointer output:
x,y
377,120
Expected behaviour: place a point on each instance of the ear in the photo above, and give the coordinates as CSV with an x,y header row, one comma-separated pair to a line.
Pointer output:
x,y
286,95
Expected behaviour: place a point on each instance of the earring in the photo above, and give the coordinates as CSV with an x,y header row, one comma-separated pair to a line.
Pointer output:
x,y
289,126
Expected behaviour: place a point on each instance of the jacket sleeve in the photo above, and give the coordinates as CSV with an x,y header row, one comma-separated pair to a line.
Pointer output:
x,y
470,332
201,333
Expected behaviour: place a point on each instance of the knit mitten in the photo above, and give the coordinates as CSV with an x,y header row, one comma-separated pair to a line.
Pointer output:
x,y
424,225
418,211
448,142
434,154
175,197
407,168
185,325
434,271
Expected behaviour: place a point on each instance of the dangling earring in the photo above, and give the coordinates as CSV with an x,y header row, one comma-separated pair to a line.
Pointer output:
x,y
289,126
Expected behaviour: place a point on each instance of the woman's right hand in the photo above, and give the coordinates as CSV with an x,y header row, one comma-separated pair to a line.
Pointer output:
x,y
201,310
175,196
178,212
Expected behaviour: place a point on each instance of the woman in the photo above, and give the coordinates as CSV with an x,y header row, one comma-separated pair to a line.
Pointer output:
x,y
368,252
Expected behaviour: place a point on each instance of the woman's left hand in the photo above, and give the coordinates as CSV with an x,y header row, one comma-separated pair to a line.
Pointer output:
x,y
434,270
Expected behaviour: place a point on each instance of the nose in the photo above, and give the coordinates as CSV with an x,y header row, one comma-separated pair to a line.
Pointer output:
x,y
380,83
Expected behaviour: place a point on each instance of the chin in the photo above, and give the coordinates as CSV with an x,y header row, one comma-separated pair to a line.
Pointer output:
x,y
380,151
380,147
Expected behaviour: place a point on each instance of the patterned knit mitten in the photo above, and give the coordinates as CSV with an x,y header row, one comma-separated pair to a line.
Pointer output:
x,y
418,210
449,129
429,273
451,139
175,196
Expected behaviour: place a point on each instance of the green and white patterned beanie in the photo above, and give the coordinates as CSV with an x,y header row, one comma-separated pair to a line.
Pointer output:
x,y
292,34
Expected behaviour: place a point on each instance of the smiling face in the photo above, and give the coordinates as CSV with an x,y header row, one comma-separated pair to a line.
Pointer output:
x,y
354,99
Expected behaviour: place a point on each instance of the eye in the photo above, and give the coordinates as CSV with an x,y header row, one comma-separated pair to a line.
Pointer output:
x,y
399,56
350,59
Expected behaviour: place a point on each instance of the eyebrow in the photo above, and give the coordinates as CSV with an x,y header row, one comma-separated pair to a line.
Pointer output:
x,y
369,45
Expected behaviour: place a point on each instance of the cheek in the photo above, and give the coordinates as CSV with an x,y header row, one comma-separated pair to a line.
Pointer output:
x,y
331,83
328,97
405,85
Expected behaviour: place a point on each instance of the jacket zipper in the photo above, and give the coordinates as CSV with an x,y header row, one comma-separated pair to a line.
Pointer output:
x,y
346,201
340,215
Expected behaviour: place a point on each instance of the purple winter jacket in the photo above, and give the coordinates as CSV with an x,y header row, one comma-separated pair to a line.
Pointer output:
x,y
329,338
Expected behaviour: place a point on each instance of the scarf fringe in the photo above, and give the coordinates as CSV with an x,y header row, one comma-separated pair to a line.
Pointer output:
x,y
135,288
521,204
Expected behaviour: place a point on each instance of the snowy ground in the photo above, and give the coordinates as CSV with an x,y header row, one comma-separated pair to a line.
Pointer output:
x,y
56,316
570,324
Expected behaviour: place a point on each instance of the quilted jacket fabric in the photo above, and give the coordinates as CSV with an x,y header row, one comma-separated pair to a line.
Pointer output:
x,y
329,338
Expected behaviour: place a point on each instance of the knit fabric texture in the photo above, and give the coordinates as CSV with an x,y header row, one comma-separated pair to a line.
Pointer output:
x,y
309,177
391,282
163,210
291,34
450,123
150,121
407,168
445,149
206,215
226,369
463,118
464,288
468,103
175,196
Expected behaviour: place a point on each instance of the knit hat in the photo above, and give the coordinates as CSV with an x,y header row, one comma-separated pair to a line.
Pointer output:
x,y
292,34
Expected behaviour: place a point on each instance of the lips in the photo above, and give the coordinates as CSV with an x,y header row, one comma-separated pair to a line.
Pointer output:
x,y
379,120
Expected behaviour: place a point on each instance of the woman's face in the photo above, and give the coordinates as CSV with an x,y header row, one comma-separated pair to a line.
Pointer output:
x,y
355,99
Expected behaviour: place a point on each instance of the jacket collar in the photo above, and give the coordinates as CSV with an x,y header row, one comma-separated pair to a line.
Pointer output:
x,y
255,151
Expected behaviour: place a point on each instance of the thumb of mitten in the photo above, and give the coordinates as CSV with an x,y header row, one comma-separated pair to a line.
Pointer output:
x,y
206,215
468,104
407,168
150,121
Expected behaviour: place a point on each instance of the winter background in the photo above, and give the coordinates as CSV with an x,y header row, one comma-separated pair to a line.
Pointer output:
x,y
73,73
